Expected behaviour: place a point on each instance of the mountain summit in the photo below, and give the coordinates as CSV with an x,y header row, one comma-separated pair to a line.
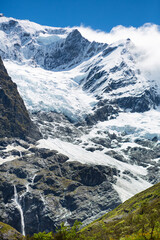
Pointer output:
x,y
110,73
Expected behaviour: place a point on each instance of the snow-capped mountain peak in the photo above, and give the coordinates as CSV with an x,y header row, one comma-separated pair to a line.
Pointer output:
x,y
91,103
48,47
109,73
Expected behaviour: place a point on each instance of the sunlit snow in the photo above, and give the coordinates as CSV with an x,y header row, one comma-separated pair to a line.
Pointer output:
x,y
136,125
127,188
51,91
46,39
124,187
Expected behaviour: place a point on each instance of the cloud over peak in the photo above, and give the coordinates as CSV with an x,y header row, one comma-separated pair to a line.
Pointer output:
x,y
145,38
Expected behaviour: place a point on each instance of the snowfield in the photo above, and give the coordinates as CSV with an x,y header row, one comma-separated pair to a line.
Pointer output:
x,y
126,187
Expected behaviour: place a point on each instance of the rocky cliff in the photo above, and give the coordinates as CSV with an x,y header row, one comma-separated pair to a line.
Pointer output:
x,y
14,117
40,189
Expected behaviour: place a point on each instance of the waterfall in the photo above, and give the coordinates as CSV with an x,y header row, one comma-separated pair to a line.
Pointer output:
x,y
18,200
20,154
30,183
19,207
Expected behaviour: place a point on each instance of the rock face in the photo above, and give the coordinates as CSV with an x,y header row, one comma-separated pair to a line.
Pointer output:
x,y
40,190
72,51
14,118
47,47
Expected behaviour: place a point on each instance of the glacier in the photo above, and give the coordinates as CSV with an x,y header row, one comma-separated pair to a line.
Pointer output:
x,y
44,90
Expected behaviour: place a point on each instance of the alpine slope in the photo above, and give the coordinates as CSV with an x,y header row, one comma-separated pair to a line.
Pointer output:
x,y
92,101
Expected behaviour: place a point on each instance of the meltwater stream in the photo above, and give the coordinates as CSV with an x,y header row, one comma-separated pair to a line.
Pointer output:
x,y
17,202
18,205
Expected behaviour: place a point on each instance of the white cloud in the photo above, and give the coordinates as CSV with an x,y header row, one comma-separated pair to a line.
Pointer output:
x,y
146,39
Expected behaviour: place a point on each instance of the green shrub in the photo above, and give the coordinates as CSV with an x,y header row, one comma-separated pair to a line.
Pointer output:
x,y
43,236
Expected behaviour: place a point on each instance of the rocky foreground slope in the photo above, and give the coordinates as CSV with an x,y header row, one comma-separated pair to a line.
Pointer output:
x,y
137,218
40,189
9,233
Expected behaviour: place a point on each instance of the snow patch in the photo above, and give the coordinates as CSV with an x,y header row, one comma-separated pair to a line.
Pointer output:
x,y
128,188
77,153
134,125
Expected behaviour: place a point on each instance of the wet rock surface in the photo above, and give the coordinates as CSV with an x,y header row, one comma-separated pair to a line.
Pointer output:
x,y
147,100
103,112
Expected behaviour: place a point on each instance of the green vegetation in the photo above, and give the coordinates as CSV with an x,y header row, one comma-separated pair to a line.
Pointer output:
x,y
137,218
62,233
9,233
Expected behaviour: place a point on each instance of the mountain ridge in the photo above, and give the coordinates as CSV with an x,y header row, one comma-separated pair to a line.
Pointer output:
x,y
106,72
48,47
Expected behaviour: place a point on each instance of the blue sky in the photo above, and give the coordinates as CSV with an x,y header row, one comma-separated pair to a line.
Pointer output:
x,y
98,14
